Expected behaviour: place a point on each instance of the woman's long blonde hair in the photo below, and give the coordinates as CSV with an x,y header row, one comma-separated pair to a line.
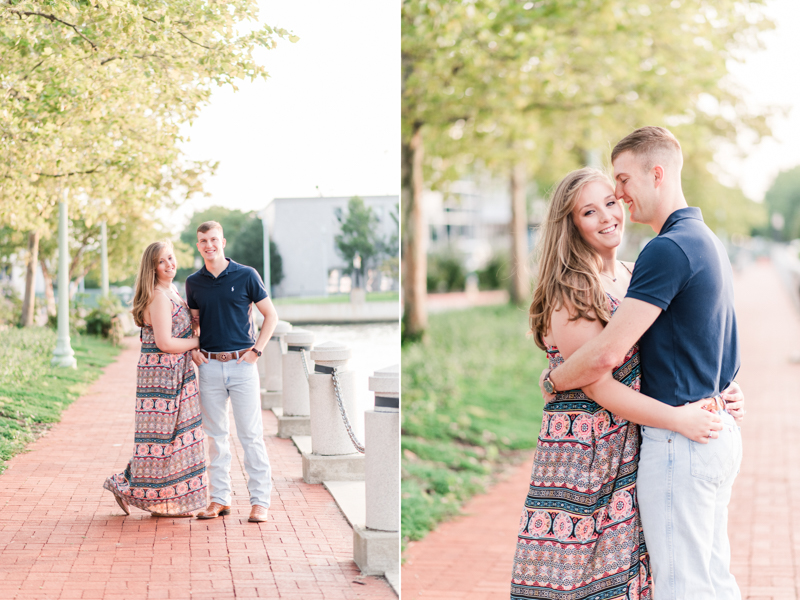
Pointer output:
x,y
146,280
569,268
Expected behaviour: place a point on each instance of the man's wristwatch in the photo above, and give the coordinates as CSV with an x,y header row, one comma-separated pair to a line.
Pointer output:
x,y
548,384
256,351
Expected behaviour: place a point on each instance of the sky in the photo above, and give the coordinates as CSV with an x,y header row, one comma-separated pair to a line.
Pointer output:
x,y
326,122
771,77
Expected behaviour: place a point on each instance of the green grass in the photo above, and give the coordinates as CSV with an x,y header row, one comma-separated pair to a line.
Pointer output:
x,y
339,298
471,404
32,393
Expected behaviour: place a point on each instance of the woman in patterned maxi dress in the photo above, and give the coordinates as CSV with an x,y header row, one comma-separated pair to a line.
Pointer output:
x,y
166,475
580,536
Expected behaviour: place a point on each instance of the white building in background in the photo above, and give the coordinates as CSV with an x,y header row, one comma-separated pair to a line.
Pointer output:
x,y
304,231
473,220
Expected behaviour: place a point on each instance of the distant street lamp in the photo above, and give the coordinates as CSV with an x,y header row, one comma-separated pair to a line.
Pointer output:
x,y
357,268
104,259
778,223
63,355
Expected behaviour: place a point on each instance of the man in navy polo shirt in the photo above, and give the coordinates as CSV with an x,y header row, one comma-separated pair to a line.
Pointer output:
x,y
679,307
220,297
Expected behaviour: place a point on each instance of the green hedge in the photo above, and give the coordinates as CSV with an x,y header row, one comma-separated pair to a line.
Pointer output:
x,y
471,404
32,393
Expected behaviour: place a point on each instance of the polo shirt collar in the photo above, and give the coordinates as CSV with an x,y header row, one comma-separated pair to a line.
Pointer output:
x,y
232,266
690,212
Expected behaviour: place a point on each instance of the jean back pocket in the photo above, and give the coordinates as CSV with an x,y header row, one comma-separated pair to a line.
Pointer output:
x,y
715,460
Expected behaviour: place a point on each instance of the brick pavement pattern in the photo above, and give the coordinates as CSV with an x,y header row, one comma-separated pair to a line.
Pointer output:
x,y
470,558
63,537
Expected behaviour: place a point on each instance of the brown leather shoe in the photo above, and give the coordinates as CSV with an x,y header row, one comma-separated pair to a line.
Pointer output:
x,y
214,510
258,514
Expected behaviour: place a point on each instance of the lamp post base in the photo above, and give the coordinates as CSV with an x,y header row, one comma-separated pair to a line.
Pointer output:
x,y
64,355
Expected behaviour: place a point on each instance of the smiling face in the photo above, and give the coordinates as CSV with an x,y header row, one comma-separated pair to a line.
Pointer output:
x,y
598,216
635,187
166,266
211,244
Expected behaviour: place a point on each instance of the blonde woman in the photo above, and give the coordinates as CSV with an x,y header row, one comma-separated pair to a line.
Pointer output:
x,y
580,534
166,475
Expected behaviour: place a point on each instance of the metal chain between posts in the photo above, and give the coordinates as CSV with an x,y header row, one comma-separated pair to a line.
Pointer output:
x,y
305,366
347,426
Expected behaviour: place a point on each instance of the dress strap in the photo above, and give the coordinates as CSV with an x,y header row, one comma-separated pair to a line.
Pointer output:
x,y
626,267
167,295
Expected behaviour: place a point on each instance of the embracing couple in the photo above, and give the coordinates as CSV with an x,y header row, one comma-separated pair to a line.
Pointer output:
x,y
214,330
649,348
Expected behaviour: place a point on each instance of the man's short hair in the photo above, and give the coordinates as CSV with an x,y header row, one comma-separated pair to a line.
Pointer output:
x,y
653,143
204,227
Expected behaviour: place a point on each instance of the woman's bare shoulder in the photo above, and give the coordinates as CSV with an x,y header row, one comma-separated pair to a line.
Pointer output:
x,y
569,333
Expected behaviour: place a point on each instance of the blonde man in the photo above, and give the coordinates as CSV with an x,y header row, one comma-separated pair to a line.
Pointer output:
x,y
221,296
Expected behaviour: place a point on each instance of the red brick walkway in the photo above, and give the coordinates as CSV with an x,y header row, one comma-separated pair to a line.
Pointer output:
x,y
470,557
63,536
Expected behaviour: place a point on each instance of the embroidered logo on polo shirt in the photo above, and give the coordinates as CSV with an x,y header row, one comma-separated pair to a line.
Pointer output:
x,y
231,288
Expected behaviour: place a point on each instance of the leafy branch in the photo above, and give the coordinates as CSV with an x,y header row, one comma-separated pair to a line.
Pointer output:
x,y
52,19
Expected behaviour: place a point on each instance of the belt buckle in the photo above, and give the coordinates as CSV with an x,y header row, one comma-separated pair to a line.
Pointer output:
x,y
714,404
223,357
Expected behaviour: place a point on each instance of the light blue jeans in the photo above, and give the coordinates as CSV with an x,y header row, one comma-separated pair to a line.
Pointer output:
x,y
239,382
684,489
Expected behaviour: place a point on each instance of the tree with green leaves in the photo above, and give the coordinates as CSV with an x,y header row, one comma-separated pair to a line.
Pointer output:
x,y
94,95
390,248
529,90
783,199
96,91
244,235
358,238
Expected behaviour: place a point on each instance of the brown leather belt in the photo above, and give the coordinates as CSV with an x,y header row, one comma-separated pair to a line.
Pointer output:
x,y
225,356
713,404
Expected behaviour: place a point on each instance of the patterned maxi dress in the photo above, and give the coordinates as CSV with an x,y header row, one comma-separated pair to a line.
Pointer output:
x,y
580,536
167,473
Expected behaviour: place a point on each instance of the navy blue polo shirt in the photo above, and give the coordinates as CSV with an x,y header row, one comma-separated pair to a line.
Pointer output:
x,y
692,349
226,305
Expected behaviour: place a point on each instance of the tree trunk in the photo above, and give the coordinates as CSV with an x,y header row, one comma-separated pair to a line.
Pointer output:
x,y
28,304
49,293
77,276
520,279
415,238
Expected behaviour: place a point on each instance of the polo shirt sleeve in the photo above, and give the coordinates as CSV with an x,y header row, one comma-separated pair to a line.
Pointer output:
x,y
190,301
661,271
255,287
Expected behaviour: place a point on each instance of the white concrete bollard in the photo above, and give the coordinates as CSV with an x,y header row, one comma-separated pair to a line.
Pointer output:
x,y
270,367
333,456
295,418
328,433
376,547
382,459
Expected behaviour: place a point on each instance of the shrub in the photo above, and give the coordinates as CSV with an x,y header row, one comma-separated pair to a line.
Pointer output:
x,y
446,273
496,275
10,306
104,320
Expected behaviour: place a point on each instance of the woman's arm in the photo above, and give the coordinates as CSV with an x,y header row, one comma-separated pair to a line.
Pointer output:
x,y
690,421
161,318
